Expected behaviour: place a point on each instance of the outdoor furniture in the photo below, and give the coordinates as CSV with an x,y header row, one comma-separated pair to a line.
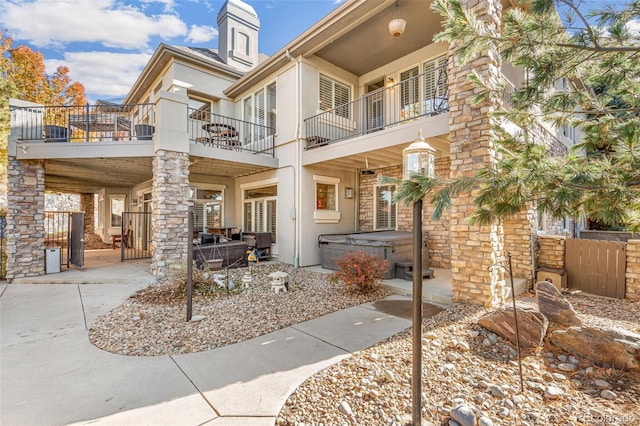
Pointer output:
x,y
119,239
144,132
223,135
315,141
232,253
55,134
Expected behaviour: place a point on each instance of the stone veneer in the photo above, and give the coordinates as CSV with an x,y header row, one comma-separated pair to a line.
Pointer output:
x,y
474,248
25,219
633,269
170,211
550,252
439,248
87,205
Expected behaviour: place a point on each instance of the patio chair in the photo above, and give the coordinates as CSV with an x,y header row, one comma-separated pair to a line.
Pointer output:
x,y
119,239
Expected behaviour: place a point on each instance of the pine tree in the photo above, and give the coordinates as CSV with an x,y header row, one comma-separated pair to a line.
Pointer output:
x,y
595,56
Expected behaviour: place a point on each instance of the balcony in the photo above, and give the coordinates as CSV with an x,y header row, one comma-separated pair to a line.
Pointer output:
x,y
89,123
423,95
228,133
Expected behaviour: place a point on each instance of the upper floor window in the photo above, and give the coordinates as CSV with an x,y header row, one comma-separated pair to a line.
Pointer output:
x,y
260,108
435,84
334,95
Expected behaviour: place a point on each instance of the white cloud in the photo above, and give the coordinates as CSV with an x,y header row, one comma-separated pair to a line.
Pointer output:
x,y
169,5
634,27
202,33
113,24
104,74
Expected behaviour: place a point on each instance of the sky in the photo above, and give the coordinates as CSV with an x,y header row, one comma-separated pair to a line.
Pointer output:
x,y
106,43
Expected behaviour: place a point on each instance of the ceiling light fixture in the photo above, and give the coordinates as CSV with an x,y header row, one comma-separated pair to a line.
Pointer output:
x,y
397,24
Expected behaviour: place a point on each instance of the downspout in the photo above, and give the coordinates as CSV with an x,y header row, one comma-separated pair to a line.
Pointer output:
x,y
297,178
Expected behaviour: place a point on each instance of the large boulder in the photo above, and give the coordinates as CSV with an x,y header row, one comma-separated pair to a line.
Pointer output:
x,y
612,347
532,325
553,305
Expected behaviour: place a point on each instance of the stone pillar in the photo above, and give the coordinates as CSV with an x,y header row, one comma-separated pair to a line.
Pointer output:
x,y
25,219
633,270
87,205
474,248
169,216
551,251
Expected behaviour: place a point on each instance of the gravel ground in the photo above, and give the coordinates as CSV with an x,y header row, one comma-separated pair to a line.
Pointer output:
x,y
468,371
153,321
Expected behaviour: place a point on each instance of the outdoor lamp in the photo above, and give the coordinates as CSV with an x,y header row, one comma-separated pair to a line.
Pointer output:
x,y
397,25
419,157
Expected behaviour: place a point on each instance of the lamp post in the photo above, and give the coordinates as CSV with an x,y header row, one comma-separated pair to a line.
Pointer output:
x,y
417,158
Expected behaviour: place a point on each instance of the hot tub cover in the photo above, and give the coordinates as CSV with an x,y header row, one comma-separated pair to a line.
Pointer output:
x,y
377,239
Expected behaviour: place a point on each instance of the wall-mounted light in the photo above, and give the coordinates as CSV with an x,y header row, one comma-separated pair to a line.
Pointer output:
x,y
397,24
389,81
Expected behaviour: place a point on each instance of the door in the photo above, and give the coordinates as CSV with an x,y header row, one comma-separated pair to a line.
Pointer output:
x,y
76,240
375,106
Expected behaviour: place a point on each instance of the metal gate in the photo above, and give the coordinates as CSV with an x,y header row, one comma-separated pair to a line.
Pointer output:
x,y
597,267
56,233
76,238
136,236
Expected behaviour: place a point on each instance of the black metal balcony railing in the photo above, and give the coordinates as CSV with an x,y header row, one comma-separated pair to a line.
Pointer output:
x,y
229,133
423,95
89,123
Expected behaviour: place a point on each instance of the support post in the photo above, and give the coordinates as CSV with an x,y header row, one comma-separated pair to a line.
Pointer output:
x,y
417,315
190,263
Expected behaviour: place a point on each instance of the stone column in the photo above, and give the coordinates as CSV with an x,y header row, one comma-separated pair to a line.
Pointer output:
x,y
87,205
473,248
169,216
25,219
633,270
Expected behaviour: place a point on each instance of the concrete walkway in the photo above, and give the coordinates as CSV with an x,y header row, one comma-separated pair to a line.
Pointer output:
x,y
51,374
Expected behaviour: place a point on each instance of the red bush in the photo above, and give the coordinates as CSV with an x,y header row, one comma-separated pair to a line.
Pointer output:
x,y
360,271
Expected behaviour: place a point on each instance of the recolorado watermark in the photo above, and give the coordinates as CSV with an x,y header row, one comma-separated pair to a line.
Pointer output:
x,y
608,419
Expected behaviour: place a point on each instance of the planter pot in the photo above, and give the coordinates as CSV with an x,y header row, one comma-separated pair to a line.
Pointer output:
x,y
55,133
144,132
214,264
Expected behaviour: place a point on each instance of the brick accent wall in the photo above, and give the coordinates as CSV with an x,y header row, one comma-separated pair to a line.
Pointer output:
x,y
474,248
25,219
517,241
633,269
439,247
550,252
170,211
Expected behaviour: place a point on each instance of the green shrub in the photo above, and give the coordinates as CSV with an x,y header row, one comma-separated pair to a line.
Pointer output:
x,y
360,271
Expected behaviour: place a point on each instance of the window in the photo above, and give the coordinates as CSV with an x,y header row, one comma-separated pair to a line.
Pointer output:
x,y
117,208
260,209
259,113
208,208
326,199
384,209
334,96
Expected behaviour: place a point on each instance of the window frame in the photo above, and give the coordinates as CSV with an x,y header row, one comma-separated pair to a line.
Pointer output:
x,y
393,207
334,105
326,215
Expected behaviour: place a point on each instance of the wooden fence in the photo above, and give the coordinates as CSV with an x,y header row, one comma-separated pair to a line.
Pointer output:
x,y
596,266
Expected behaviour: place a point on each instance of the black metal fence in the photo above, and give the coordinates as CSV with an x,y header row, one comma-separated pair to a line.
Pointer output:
x,y
135,241
88,123
423,95
223,132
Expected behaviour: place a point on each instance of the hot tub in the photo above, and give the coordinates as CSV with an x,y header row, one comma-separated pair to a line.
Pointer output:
x,y
394,246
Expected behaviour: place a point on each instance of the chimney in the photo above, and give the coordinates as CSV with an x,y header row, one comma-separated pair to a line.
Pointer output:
x,y
238,26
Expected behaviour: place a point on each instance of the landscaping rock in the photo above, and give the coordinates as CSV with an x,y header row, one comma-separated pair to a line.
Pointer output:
x,y
553,305
612,347
532,324
463,415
